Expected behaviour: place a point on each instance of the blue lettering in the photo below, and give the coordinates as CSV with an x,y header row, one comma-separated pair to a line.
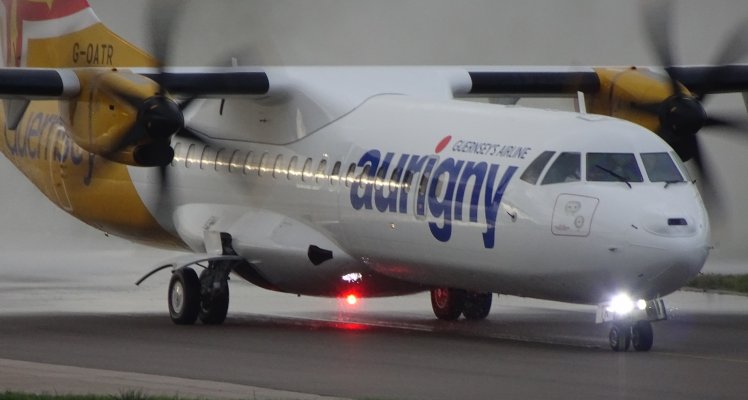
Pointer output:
x,y
443,208
442,187
390,201
363,200
493,199
415,165
421,196
472,170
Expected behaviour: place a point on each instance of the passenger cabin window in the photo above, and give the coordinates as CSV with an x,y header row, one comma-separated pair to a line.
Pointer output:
x,y
350,176
335,175
292,167
236,162
222,160
278,167
248,163
407,180
395,178
307,173
262,166
363,179
379,182
613,167
321,171
566,168
191,153
533,171
208,159
661,168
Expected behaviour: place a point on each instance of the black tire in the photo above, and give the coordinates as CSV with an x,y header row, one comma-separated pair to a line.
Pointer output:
x,y
214,305
447,303
477,305
619,337
642,336
184,296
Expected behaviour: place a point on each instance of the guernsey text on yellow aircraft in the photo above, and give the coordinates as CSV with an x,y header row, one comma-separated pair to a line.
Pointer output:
x,y
367,181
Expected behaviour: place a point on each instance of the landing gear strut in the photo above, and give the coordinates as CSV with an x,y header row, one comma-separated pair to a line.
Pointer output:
x,y
449,303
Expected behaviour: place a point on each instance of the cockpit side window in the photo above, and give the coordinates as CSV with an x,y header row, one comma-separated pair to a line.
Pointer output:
x,y
679,162
613,167
566,168
661,168
532,173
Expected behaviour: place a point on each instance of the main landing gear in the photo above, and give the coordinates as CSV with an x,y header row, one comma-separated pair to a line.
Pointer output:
x,y
448,304
206,297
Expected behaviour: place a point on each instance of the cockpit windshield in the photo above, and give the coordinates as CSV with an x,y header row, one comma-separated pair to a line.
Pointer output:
x,y
661,168
612,167
566,168
605,167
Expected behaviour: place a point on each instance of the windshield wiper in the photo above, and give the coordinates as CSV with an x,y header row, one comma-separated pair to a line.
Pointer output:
x,y
619,177
668,183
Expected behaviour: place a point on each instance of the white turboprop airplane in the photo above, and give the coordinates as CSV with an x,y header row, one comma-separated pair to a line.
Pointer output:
x,y
367,181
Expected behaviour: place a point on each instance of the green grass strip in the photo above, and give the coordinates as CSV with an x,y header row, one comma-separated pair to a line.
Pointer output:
x,y
129,395
728,283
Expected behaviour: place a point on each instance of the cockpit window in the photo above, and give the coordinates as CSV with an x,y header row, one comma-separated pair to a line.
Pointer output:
x,y
613,167
661,168
681,166
566,168
532,173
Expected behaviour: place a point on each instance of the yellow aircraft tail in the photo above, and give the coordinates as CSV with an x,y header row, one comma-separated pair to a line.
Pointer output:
x,y
62,34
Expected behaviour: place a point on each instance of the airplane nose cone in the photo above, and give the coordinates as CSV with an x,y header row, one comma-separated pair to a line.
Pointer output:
x,y
674,239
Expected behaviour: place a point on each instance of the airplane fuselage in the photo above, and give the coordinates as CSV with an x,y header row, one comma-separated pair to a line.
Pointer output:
x,y
427,192
430,192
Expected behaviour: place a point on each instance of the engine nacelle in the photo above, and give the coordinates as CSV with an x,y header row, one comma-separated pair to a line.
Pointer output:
x,y
121,116
621,89
650,100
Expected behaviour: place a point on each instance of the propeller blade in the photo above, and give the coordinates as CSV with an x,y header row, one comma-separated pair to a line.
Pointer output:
x,y
164,18
735,47
739,125
709,190
657,17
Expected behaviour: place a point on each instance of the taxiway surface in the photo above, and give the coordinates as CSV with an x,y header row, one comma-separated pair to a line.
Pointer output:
x,y
384,349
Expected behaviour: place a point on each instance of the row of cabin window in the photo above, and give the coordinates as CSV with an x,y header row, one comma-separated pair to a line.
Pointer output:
x,y
238,162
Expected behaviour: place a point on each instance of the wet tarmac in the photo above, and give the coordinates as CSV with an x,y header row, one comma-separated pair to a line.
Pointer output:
x,y
97,320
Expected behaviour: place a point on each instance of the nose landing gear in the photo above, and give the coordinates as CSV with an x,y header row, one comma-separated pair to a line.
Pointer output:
x,y
638,334
633,328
